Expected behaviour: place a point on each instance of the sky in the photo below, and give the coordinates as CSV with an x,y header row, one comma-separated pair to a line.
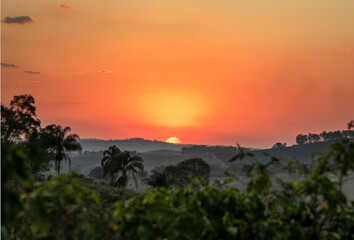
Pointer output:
x,y
208,72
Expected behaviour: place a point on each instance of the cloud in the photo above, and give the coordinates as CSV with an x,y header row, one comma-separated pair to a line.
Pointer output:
x,y
105,71
31,72
18,20
18,82
348,50
9,65
22,82
66,7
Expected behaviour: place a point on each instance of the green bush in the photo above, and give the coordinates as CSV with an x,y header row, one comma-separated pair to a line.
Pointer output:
x,y
61,209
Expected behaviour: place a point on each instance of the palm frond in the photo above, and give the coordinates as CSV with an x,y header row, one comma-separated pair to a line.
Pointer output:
x,y
135,159
73,136
138,165
65,130
104,160
72,146
135,181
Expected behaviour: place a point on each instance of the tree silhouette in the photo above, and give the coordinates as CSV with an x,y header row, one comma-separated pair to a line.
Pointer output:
x,y
301,139
111,162
115,161
185,171
19,120
157,179
129,164
59,143
279,145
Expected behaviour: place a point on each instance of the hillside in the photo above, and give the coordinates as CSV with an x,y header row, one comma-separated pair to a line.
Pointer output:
x,y
88,160
302,152
132,144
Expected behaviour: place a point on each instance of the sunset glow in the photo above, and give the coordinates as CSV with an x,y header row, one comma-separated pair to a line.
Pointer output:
x,y
174,140
210,72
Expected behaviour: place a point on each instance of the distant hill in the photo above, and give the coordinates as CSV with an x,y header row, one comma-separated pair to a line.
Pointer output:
x,y
132,144
157,153
302,152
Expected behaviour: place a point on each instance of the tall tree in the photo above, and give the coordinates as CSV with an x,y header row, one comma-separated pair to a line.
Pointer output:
x,y
129,164
111,162
19,120
59,143
301,139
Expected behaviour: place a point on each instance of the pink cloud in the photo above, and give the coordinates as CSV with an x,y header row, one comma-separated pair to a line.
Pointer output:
x,y
48,39
66,7
18,82
105,71
348,50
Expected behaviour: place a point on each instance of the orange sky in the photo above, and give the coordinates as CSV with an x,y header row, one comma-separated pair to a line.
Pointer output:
x,y
209,72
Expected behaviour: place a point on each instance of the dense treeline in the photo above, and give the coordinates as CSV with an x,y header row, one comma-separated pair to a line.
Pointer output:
x,y
207,149
180,175
324,136
70,206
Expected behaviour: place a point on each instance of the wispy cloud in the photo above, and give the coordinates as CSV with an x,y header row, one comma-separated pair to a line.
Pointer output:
x,y
18,82
9,65
18,20
48,39
348,50
66,7
105,71
32,72
22,82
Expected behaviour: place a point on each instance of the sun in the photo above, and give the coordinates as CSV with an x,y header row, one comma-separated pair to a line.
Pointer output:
x,y
174,140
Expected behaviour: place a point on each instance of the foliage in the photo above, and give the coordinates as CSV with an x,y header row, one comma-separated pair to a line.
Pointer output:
x,y
207,149
129,164
279,145
325,136
111,162
107,194
96,173
296,167
59,143
19,120
158,179
13,172
184,172
61,209
115,161
190,213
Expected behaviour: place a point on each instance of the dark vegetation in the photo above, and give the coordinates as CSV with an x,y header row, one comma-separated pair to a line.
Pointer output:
x,y
180,175
115,161
181,204
324,136
207,149
132,144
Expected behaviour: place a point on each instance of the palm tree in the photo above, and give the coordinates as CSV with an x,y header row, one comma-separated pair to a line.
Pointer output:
x,y
111,162
129,164
59,143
